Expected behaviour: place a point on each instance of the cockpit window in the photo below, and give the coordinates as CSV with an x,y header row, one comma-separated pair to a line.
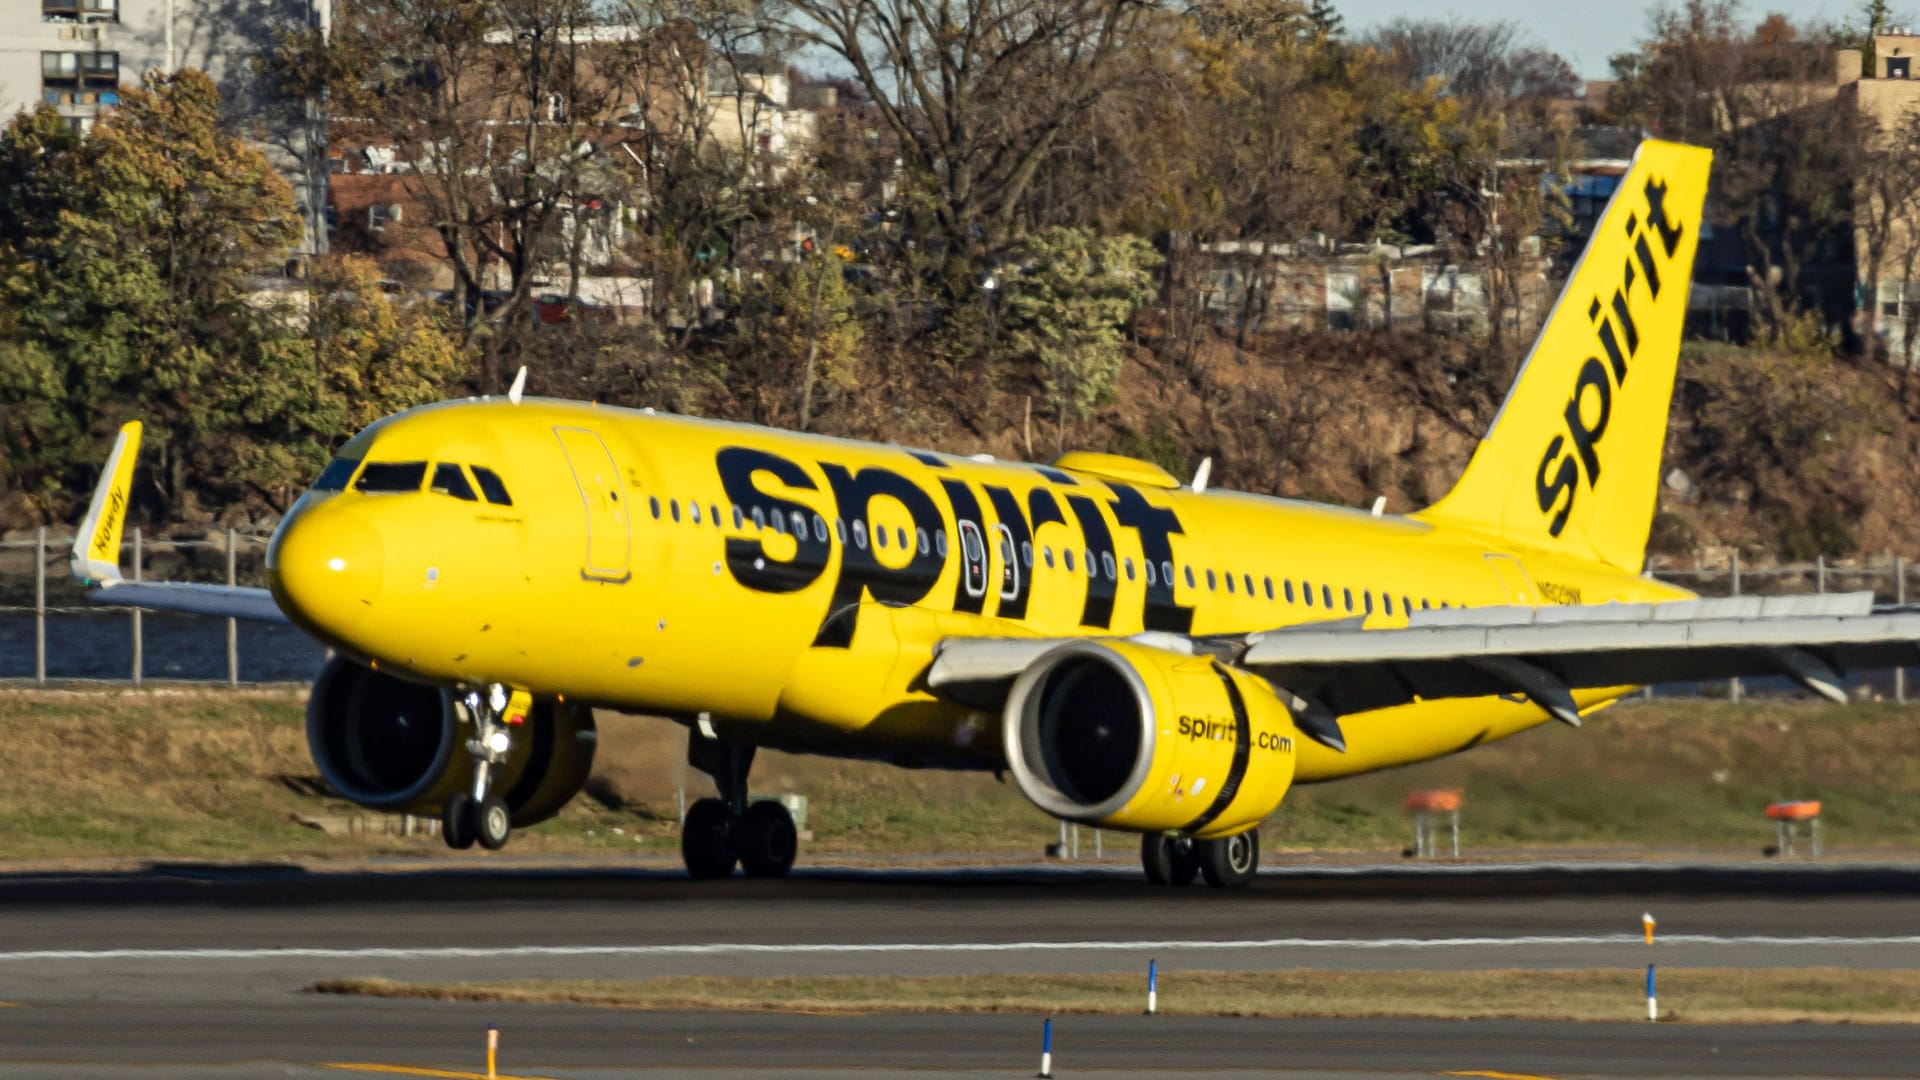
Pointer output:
x,y
334,477
490,485
449,480
391,476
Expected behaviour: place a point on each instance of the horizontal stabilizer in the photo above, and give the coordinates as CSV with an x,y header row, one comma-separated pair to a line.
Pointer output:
x,y
227,601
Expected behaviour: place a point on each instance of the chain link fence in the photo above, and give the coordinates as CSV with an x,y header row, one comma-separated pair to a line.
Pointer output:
x,y
50,632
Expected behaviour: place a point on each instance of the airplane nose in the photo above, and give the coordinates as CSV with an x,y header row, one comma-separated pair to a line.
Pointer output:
x,y
326,571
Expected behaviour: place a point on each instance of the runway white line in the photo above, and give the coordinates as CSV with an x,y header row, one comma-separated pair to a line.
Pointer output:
x,y
715,948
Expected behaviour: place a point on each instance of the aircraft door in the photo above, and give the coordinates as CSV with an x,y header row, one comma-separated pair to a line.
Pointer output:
x,y
1009,563
609,526
973,558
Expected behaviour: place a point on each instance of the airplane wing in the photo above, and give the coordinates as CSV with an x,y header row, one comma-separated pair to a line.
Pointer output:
x,y
96,555
1335,669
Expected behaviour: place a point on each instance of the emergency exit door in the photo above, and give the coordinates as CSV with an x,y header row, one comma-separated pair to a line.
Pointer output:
x,y
609,527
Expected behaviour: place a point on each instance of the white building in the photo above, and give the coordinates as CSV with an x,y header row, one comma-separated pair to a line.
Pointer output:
x,y
76,55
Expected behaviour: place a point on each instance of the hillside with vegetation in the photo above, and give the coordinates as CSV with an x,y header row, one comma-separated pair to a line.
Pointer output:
x,y
1015,263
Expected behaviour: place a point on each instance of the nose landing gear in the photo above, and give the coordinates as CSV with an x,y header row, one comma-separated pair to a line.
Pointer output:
x,y
482,816
720,833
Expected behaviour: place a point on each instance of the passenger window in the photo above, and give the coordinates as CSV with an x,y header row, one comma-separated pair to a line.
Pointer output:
x,y
335,476
1067,555
739,518
1229,577
1026,551
674,505
1348,595
391,476
693,511
759,517
491,486
1326,594
1247,580
1306,591
860,534
653,504
1106,565
713,514
1166,572
1386,604
449,480
900,534
819,528
1366,600
921,536
1129,568
1210,581
1191,584
1047,554
1152,577
1269,583
1406,606
1288,585
880,537
1093,569
779,523
940,542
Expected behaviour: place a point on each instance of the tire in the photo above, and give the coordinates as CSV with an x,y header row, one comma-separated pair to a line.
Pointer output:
x,y
456,822
1168,860
705,840
766,840
1230,862
492,823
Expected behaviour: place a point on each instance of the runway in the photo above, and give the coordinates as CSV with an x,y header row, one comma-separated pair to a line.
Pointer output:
x,y
206,968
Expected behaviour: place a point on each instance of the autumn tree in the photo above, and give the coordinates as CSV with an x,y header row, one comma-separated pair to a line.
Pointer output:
x,y
1784,143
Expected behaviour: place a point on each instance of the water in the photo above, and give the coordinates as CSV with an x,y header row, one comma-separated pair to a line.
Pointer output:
x,y
100,646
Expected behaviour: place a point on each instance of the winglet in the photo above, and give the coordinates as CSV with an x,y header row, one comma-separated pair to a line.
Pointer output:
x,y
96,547
1201,475
519,385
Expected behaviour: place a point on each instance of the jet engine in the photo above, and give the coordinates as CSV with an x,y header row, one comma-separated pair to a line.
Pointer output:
x,y
1123,735
400,746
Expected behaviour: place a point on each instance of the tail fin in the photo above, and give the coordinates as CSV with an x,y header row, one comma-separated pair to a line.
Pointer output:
x,y
96,547
1572,462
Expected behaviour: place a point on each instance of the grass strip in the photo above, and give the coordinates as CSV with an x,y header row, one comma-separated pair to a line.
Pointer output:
x,y
1696,995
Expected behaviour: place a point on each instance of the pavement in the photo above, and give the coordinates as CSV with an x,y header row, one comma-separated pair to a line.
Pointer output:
x,y
195,970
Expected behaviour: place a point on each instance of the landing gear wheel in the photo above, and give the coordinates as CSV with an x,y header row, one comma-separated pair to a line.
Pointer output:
x,y
1230,862
1168,860
456,822
492,822
705,841
766,840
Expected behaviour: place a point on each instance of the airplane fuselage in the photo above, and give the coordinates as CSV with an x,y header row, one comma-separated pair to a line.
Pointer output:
x,y
792,586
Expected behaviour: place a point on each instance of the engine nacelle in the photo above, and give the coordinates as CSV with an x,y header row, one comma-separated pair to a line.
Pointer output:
x,y
399,746
1122,735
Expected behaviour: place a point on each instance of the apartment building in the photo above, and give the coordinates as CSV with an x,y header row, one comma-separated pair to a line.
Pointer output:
x,y
76,55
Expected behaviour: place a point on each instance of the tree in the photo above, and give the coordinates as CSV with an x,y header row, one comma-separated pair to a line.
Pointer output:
x,y
1066,311
1784,145
487,109
977,95
99,326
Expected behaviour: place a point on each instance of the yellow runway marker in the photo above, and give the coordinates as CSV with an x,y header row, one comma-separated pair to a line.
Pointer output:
x,y
1492,1075
411,1070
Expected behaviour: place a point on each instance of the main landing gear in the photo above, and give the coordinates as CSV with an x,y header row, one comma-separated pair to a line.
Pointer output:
x,y
481,815
1226,863
721,832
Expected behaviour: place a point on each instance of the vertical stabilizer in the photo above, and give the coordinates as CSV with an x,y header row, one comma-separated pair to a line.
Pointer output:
x,y
1572,462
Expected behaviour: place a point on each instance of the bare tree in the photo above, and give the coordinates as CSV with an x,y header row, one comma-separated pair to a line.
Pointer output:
x,y
977,93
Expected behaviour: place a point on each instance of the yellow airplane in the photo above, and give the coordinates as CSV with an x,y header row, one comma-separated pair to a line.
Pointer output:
x,y
1140,654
